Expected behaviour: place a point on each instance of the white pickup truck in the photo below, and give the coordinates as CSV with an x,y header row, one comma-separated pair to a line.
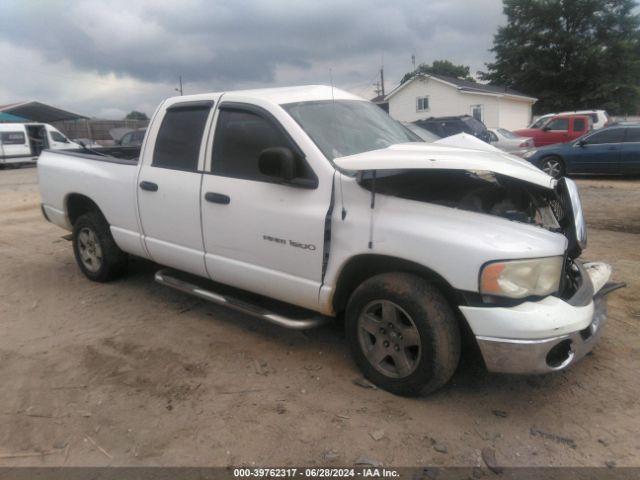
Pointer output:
x,y
305,203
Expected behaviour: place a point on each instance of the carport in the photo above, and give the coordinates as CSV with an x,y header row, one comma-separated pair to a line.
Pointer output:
x,y
38,112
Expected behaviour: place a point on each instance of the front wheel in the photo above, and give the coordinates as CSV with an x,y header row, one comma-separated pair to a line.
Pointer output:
x,y
552,166
403,334
96,252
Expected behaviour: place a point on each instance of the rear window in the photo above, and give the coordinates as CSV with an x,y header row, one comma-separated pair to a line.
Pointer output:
x,y
178,143
579,125
633,135
474,125
12,138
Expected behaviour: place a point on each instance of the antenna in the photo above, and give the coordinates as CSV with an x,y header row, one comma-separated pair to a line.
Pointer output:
x,y
382,76
180,88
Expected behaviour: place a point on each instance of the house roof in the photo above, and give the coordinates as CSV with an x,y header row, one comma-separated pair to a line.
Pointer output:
x,y
39,112
466,86
379,99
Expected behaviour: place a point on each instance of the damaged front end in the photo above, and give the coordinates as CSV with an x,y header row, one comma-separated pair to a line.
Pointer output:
x,y
537,331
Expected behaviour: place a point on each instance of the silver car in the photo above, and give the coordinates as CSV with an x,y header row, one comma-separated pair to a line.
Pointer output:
x,y
508,141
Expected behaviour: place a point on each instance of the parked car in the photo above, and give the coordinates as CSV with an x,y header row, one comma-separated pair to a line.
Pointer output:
x,y
312,197
423,134
133,138
447,126
611,150
599,118
508,141
558,129
23,142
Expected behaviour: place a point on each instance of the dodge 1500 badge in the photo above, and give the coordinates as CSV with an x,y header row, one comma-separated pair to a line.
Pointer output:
x,y
308,203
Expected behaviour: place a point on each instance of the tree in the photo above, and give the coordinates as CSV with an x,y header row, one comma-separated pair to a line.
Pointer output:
x,y
570,54
440,67
135,115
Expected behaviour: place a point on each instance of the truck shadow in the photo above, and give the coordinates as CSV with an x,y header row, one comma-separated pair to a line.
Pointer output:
x,y
470,381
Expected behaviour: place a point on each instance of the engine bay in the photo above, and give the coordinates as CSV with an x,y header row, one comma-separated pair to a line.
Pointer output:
x,y
482,192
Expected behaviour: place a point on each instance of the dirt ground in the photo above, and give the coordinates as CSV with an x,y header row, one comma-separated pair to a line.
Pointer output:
x,y
133,373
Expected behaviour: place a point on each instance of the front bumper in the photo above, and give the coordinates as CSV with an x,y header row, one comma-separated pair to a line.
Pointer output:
x,y
545,336
547,354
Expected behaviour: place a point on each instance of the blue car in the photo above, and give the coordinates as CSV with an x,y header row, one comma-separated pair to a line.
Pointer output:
x,y
612,150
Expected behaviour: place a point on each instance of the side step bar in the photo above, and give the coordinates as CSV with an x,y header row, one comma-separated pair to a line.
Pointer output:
x,y
165,277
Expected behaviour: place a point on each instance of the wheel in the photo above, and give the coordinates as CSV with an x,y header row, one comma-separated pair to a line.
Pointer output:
x,y
402,334
96,252
552,166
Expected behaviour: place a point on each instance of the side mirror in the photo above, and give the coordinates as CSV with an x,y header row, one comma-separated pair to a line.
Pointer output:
x,y
278,163
545,129
581,143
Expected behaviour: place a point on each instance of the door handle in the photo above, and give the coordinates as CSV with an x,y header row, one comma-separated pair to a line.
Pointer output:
x,y
149,186
217,198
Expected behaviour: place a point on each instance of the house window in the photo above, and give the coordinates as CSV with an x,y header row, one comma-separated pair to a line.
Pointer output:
x,y
476,112
422,104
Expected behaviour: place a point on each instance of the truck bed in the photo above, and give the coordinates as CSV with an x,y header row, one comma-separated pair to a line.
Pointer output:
x,y
105,176
117,154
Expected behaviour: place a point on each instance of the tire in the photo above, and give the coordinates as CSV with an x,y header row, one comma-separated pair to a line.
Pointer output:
x,y
423,316
96,252
552,165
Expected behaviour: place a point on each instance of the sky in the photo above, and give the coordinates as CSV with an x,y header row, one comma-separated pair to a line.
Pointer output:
x,y
104,58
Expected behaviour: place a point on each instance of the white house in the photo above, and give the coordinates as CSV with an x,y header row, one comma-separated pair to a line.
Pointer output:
x,y
427,96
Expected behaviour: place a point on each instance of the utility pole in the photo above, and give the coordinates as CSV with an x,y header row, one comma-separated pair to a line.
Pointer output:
x,y
179,89
413,61
382,80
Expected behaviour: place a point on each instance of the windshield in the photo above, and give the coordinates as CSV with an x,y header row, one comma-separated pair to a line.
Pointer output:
x,y
540,122
425,135
347,127
507,133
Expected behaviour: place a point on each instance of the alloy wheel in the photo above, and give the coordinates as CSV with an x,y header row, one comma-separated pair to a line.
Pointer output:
x,y
389,338
90,250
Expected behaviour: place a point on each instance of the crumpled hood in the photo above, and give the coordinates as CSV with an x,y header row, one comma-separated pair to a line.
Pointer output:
x,y
440,156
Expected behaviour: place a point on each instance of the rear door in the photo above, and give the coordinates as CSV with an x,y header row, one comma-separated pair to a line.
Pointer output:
x,y
261,235
630,151
599,152
14,144
578,126
169,186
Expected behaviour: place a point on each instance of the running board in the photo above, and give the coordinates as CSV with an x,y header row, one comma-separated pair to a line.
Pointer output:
x,y
168,278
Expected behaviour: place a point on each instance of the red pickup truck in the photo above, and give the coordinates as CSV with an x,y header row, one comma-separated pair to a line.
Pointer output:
x,y
559,129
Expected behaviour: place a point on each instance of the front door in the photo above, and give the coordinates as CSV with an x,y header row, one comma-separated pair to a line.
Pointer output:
x,y
556,131
261,235
599,152
169,187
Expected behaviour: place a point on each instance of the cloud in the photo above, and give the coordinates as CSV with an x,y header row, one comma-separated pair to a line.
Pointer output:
x,y
115,55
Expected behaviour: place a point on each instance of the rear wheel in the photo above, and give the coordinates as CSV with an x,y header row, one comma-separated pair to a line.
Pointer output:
x,y
403,334
552,166
97,254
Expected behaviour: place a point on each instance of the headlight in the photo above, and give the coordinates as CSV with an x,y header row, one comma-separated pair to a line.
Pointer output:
x,y
529,153
521,278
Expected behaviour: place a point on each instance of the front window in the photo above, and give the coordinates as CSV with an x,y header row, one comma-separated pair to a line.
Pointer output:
x,y
58,137
560,124
347,127
605,136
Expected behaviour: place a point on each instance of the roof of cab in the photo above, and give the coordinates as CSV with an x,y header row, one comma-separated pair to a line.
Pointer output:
x,y
280,96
